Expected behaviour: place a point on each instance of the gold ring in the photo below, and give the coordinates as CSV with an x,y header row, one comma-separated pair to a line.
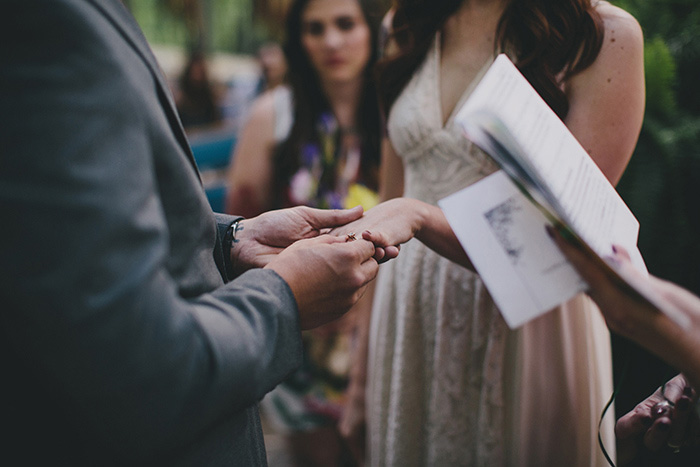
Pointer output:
x,y
674,449
350,237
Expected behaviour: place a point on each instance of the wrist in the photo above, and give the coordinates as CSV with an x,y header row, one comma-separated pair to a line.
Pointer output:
x,y
421,212
234,237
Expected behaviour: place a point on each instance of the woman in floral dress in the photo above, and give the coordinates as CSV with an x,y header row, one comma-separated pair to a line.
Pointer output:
x,y
315,142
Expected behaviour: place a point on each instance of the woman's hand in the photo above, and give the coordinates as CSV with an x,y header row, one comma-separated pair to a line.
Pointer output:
x,y
637,319
623,312
387,225
391,223
398,220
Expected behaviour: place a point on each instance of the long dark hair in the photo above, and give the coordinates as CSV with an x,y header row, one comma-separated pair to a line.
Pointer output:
x,y
311,103
551,40
197,104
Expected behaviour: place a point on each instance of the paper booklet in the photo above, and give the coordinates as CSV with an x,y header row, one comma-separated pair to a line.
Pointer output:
x,y
547,177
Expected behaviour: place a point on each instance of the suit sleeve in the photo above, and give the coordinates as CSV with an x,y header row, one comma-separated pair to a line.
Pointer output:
x,y
91,308
222,251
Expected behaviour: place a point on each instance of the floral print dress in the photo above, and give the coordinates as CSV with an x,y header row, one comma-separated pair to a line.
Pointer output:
x,y
328,176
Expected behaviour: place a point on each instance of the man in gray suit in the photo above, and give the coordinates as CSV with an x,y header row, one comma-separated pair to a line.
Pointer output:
x,y
129,334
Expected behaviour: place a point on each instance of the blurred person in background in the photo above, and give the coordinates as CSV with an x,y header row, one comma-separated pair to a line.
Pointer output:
x,y
315,142
195,97
273,66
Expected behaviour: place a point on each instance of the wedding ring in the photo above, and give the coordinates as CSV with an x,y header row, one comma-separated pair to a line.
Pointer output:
x,y
350,237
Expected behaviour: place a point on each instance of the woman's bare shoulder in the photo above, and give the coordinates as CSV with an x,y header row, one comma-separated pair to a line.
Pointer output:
x,y
263,107
258,130
619,24
623,43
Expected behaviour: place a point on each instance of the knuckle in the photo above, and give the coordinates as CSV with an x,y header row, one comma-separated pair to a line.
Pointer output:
x,y
357,280
640,410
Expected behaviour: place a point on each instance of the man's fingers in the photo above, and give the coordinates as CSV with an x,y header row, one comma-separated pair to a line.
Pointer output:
x,y
633,424
657,436
682,395
681,419
628,430
367,249
326,218
662,413
369,270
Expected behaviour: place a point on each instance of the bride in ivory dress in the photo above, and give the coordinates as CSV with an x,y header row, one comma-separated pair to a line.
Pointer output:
x,y
447,383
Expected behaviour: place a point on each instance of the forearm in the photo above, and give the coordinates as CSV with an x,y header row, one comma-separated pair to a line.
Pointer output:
x,y
679,347
398,220
435,232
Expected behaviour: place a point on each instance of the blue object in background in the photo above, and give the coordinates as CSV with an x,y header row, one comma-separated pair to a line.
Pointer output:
x,y
212,151
217,196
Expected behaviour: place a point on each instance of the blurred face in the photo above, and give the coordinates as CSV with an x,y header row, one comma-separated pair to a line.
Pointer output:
x,y
197,72
336,38
273,64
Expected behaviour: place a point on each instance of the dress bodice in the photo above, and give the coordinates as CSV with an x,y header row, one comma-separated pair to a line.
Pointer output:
x,y
438,159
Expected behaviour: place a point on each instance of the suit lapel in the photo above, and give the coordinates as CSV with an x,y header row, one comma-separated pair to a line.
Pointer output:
x,y
122,20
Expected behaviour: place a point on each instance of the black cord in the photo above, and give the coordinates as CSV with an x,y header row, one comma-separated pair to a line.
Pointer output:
x,y
616,390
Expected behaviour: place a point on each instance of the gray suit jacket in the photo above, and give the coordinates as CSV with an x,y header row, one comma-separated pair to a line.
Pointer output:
x,y
120,342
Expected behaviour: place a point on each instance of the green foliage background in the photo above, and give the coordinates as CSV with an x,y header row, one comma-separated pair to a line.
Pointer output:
x,y
662,182
229,25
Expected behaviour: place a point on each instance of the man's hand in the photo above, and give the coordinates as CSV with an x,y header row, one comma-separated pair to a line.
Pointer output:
x,y
260,239
666,420
327,275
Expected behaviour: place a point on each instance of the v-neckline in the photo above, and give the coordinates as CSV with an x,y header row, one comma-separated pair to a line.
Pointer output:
x,y
437,59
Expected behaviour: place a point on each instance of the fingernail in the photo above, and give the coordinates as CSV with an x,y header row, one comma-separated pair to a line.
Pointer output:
x,y
683,403
550,230
612,261
367,232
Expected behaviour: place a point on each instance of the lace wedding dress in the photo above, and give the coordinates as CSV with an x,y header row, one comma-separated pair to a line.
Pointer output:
x,y
449,383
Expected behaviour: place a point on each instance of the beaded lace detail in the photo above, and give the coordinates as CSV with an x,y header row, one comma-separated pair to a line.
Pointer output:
x,y
442,344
